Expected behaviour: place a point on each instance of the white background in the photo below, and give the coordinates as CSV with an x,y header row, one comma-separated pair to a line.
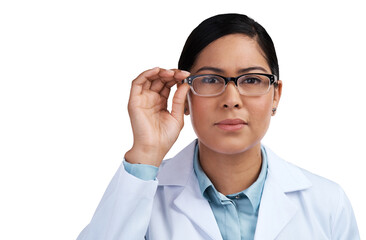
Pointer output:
x,y
66,68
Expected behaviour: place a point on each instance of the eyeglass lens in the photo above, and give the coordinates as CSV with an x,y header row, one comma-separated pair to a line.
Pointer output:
x,y
250,84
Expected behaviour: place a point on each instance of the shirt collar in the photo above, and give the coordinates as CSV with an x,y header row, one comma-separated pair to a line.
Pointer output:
x,y
203,181
208,190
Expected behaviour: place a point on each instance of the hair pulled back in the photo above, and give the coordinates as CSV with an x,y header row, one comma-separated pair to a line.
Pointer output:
x,y
218,26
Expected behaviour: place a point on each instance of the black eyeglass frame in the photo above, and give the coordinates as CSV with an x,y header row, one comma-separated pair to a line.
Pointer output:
x,y
272,80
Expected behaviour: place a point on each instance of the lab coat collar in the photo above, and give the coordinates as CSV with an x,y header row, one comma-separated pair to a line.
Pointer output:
x,y
288,177
177,170
276,209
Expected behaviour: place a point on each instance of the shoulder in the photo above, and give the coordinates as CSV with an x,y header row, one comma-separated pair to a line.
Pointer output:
x,y
322,206
304,186
313,193
320,183
293,177
324,194
327,200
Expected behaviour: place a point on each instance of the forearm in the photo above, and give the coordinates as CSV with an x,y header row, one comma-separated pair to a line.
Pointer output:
x,y
124,211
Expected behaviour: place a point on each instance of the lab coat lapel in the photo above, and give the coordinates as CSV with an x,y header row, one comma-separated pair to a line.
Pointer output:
x,y
275,212
191,202
276,208
178,172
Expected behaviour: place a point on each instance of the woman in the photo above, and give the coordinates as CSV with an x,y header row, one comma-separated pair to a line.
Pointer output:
x,y
225,184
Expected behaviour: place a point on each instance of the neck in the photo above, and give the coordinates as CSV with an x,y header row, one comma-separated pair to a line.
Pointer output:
x,y
231,173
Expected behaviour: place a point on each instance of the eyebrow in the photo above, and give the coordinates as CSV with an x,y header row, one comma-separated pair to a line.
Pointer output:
x,y
243,70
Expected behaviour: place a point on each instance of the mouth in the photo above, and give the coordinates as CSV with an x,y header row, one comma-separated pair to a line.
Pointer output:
x,y
231,124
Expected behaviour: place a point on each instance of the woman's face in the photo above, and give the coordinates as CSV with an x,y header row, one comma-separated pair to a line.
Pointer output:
x,y
232,123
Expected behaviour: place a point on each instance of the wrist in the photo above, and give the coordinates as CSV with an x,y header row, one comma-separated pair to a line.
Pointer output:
x,y
142,171
144,156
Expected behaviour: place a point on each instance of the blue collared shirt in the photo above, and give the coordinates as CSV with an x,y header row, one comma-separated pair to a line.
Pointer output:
x,y
236,214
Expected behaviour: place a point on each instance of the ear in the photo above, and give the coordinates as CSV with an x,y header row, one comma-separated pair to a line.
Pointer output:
x,y
186,109
186,106
277,95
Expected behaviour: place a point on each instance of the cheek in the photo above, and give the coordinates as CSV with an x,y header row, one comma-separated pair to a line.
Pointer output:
x,y
260,112
201,111
197,110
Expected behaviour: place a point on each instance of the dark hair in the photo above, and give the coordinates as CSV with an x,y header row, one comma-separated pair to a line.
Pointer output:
x,y
224,24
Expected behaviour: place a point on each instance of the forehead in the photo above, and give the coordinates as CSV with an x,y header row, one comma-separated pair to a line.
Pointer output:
x,y
231,53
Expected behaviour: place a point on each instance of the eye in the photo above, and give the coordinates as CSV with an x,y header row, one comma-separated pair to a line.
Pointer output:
x,y
252,80
210,80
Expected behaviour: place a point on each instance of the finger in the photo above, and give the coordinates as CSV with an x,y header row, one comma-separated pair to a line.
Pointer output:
x,y
138,83
147,75
181,74
159,82
171,83
166,73
165,92
157,85
162,74
178,77
146,85
166,89
178,102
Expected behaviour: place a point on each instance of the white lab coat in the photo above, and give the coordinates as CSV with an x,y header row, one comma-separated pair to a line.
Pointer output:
x,y
295,204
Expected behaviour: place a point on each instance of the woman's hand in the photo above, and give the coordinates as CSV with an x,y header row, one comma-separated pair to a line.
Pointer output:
x,y
155,129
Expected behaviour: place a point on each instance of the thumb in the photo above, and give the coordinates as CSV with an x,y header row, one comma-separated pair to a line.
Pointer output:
x,y
179,99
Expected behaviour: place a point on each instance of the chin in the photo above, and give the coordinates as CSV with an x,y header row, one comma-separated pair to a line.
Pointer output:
x,y
228,147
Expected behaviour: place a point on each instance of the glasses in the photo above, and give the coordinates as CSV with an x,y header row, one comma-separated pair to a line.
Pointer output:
x,y
251,84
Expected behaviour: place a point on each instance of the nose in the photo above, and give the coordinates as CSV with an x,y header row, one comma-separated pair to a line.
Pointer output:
x,y
231,97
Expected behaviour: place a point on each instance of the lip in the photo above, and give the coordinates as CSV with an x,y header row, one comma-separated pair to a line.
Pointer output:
x,y
231,124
